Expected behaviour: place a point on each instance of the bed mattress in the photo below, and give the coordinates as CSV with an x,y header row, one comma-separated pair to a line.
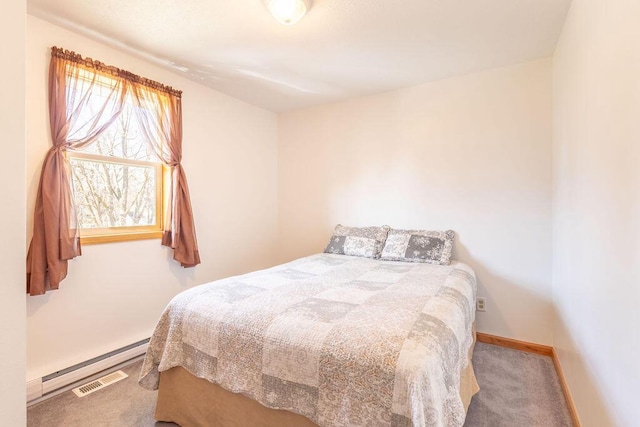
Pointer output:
x,y
339,340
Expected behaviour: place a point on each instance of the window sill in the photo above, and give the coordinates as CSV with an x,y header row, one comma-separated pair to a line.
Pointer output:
x,y
120,237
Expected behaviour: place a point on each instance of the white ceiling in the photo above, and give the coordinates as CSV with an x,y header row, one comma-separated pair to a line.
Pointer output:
x,y
340,49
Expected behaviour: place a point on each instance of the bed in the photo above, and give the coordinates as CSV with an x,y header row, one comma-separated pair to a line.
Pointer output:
x,y
326,340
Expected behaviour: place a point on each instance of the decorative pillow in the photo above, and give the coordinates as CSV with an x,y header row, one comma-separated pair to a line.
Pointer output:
x,y
358,241
433,247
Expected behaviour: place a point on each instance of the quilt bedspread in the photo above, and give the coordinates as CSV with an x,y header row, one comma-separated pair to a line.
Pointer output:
x,y
344,341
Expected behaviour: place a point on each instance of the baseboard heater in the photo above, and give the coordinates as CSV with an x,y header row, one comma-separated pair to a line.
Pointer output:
x,y
53,382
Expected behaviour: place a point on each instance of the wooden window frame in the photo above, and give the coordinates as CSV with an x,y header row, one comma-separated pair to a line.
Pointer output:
x,y
91,236
163,184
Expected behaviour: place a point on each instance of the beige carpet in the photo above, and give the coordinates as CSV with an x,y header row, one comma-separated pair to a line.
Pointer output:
x,y
516,389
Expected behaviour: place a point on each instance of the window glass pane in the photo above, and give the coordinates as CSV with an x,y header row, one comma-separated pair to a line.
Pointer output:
x,y
123,139
113,195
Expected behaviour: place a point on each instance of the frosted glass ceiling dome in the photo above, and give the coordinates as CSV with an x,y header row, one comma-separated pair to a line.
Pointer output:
x,y
288,12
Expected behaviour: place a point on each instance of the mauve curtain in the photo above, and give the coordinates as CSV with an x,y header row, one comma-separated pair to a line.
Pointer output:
x,y
76,86
55,236
160,117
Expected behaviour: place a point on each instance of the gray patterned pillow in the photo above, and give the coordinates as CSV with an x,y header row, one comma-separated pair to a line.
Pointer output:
x,y
357,241
432,247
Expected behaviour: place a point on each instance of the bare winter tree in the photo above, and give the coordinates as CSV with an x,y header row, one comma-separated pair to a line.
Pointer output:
x,y
116,193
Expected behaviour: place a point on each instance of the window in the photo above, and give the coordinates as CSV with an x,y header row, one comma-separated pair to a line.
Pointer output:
x,y
117,181
121,136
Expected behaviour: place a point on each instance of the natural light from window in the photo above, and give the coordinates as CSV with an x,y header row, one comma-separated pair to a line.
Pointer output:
x,y
116,180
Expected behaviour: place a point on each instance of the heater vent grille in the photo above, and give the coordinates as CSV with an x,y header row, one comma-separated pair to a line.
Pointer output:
x,y
100,383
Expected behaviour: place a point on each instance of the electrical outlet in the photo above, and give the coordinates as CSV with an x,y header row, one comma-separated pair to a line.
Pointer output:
x,y
481,304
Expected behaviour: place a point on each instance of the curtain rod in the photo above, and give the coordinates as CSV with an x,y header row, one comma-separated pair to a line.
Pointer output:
x,y
114,71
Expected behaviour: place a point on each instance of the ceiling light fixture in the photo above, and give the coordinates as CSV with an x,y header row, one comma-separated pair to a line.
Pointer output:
x,y
288,12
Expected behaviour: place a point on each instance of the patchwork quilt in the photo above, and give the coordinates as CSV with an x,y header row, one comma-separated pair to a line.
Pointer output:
x,y
342,340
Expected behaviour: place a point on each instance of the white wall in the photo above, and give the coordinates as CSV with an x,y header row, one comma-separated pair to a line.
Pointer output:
x,y
470,153
596,81
12,252
115,293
